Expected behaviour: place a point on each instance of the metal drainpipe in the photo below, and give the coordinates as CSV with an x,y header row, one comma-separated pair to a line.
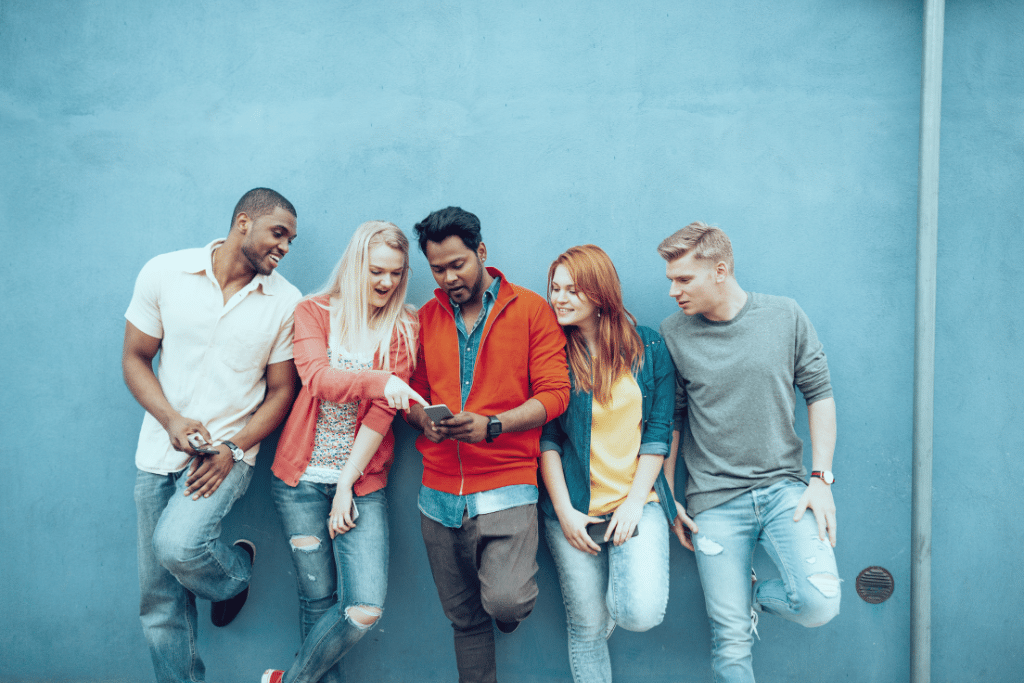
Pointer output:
x,y
924,343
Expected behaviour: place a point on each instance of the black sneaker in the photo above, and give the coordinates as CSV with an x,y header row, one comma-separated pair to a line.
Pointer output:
x,y
506,626
223,612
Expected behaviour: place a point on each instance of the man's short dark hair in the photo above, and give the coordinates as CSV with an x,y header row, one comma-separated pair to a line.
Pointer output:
x,y
259,202
443,223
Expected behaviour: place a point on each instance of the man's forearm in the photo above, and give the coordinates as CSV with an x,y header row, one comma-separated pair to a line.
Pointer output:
x,y
526,416
821,419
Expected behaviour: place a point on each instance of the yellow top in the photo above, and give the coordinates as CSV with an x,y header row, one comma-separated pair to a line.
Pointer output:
x,y
615,446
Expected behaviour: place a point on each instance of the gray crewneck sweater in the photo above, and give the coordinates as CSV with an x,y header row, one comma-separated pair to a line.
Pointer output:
x,y
735,397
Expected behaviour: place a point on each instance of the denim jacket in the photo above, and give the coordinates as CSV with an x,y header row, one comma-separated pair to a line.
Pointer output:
x,y
569,434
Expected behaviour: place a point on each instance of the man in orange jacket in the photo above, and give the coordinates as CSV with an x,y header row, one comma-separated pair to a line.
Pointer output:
x,y
495,355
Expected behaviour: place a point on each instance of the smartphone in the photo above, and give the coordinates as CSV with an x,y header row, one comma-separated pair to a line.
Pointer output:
x,y
355,511
599,529
438,412
196,441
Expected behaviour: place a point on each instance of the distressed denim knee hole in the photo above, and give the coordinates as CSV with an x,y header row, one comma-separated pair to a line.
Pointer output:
x,y
827,584
708,547
306,544
363,616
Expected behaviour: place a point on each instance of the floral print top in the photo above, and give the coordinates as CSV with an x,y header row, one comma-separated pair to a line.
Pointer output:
x,y
335,430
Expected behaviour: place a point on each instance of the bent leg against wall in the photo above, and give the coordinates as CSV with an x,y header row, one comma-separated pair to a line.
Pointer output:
x,y
809,591
187,539
638,573
508,562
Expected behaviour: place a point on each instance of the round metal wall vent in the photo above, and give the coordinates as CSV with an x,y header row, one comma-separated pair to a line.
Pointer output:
x,y
875,585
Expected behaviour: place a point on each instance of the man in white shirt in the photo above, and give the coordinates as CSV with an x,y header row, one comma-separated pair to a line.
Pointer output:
x,y
221,319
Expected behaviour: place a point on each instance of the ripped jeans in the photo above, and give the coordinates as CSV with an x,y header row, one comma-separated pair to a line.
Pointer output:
x,y
807,593
342,583
623,585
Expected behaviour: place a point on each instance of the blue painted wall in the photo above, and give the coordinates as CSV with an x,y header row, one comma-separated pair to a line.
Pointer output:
x,y
130,130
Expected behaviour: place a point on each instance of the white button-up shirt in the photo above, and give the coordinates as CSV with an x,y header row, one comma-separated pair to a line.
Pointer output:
x,y
213,355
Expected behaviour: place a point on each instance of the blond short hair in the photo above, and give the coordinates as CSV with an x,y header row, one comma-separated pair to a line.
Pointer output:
x,y
705,242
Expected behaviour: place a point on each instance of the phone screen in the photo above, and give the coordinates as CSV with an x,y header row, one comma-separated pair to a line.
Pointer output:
x,y
438,412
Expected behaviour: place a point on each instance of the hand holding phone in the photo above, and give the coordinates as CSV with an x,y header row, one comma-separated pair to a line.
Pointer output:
x,y
598,530
438,412
198,443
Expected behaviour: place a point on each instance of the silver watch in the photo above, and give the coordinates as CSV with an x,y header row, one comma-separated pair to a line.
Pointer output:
x,y
236,452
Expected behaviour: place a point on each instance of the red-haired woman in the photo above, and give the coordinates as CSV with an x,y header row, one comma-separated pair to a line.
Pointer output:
x,y
608,509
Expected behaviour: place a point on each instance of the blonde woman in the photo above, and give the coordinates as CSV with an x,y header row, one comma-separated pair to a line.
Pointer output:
x,y
355,347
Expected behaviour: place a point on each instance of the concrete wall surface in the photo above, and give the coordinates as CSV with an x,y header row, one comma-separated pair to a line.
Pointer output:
x,y
130,129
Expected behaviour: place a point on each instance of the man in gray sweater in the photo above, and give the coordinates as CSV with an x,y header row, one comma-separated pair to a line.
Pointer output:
x,y
739,357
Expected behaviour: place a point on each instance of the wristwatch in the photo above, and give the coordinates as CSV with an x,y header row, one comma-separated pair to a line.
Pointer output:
x,y
824,475
236,452
493,428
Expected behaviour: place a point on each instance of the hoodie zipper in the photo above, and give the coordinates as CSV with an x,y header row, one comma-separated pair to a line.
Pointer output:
x,y
483,336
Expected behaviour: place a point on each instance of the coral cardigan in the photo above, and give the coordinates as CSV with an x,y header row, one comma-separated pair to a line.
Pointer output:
x,y
521,356
322,382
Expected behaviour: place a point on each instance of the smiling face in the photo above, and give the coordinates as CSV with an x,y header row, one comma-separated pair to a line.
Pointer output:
x,y
458,270
267,239
387,268
694,283
571,305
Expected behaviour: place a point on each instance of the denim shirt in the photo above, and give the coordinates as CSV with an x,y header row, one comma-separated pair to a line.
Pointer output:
x,y
569,434
448,508
469,341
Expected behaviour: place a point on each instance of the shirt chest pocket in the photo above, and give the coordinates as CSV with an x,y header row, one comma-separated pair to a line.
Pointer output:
x,y
247,350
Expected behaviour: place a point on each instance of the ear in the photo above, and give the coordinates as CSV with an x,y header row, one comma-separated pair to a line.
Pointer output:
x,y
481,251
242,222
721,271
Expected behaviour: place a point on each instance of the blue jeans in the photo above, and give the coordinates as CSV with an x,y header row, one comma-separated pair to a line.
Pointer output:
x,y
625,585
181,557
334,577
807,593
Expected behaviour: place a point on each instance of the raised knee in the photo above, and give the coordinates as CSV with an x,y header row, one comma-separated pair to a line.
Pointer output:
x,y
823,604
508,607
363,616
172,554
638,623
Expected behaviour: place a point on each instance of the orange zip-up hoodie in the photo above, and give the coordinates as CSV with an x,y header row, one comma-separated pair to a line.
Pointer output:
x,y
521,356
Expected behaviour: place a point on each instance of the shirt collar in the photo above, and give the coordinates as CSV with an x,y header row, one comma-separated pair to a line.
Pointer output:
x,y
201,261
489,297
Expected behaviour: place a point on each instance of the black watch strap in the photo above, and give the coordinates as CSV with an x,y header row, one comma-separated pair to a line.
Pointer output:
x,y
236,453
493,428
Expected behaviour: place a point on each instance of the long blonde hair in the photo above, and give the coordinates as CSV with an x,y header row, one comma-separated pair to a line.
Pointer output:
x,y
619,348
354,327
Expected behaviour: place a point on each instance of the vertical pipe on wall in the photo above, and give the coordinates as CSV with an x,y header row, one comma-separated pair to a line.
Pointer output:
x,y
924,343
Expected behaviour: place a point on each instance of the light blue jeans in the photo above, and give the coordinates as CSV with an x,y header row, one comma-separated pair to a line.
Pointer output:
x,y
181,557
334,577
807,593
625,585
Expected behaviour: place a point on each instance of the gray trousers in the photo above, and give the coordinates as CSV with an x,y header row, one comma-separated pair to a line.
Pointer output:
x,y
486,568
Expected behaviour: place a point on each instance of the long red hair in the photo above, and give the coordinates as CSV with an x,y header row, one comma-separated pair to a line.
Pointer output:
x,y
620,348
